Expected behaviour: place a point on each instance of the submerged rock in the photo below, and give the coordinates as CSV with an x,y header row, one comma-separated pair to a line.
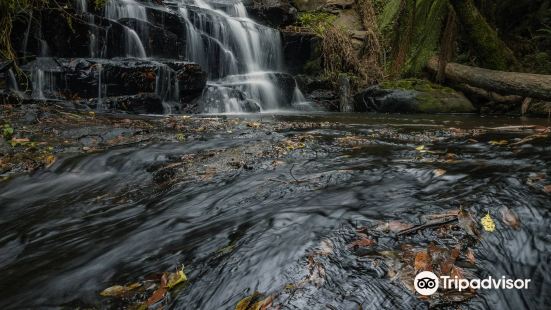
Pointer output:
x,y
411,96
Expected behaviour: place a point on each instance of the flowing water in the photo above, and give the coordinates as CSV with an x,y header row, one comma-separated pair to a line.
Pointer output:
x,y
243,59
92,221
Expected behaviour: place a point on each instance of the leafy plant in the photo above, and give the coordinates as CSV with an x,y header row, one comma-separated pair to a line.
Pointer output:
x,y
317,22
7,132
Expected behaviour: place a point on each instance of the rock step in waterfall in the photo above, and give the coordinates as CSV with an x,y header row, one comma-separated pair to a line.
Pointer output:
x,y
179,56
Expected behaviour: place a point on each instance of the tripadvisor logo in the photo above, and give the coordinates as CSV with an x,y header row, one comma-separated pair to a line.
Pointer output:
x,y
427,283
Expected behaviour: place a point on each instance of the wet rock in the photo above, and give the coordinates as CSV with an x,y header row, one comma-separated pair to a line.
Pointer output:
x,y
285,84
301,52
157,41
411,96
275,13
91,78
144,103
540,108
320,92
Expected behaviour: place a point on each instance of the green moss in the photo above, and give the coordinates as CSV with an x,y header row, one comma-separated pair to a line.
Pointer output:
x,y
318,22
432,98
313,67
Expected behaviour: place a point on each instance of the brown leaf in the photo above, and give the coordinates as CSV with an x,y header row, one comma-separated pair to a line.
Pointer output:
x,y
118,290
547,188
439,172
468,224
510,218
470,256
457,272
422,261
157,296
393,226
362,243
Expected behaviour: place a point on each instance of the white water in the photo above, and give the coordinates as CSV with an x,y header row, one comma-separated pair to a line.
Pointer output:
x,y
237,53
13,82
241,57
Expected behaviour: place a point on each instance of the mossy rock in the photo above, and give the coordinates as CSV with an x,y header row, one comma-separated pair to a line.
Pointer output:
x,y
413,96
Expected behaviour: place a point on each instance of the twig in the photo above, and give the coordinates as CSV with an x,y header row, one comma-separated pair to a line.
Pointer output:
x,y
426,225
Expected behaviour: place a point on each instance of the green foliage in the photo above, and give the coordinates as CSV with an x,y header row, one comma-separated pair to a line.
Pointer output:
x,y
318,22
7,132
100,3
413,32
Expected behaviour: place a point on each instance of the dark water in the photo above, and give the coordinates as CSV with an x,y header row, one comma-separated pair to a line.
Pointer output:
x,y
92,221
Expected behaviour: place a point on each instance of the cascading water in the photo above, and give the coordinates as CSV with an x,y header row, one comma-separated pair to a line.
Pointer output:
x,y
239,55
242,59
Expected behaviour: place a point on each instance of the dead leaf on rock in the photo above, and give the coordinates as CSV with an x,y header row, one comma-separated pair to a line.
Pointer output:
x,y
422,261
362,243
256,301
470,256
439,172
510,218
393,226
547,188
119,290
468,224
498,142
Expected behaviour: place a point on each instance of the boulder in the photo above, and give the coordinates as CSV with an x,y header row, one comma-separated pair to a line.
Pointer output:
x,y
319,92
144,103
70,78
275,13
411,96
157,41
301,52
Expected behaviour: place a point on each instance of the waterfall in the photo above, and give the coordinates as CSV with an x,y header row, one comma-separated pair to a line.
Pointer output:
x,y
238,54
37,80
13,81
243,59
99,105
166,87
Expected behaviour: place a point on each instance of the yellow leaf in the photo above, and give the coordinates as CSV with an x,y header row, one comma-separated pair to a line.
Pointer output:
x,y
498,142
176,278
49,160
420,148
488,223
118,290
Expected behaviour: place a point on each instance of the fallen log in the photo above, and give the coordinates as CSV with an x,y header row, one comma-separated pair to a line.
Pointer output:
x,y
505,83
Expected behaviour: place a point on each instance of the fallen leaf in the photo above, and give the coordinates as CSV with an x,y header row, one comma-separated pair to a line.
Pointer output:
x,y
176,278
363,242
488,223
256,301
510,218
393,226
547,188
157,296
422,261
498,142
49,160
118,290
326,248
420,148
467,222
160,293
254,124
439,172
470,256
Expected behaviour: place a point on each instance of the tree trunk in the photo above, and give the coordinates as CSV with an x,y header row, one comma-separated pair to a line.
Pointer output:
x,y
492,51
506,83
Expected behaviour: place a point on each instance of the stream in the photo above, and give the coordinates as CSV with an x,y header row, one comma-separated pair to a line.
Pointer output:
x,y
94,220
